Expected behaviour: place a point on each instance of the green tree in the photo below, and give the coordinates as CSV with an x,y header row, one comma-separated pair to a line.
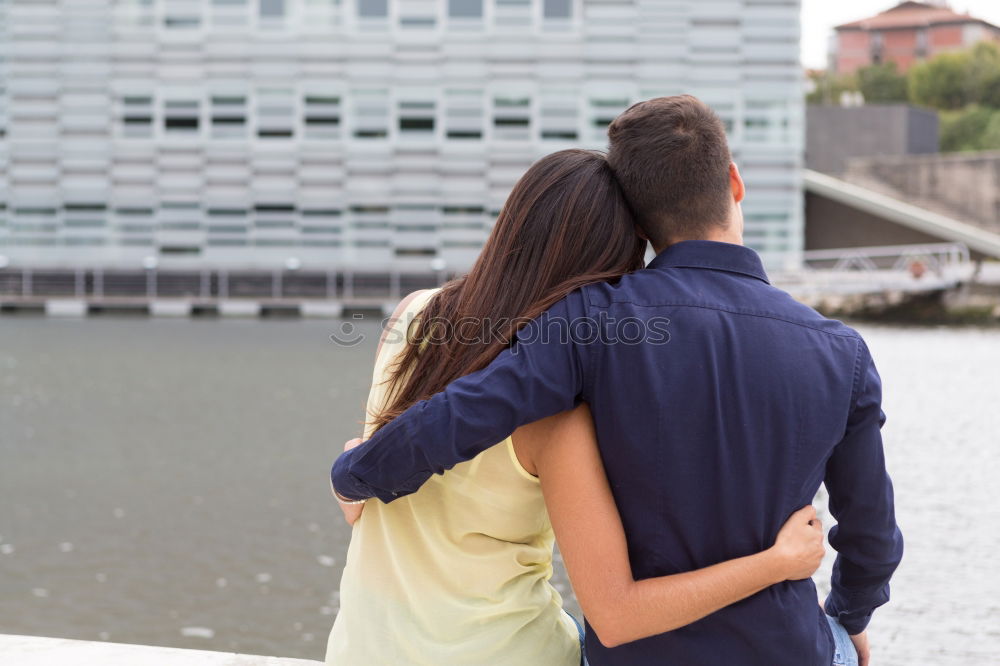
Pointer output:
x,y
973,128
829,87
983,76
991,137
953,81
942,82
882,84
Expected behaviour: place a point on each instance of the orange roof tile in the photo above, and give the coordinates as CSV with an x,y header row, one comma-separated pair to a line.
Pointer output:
x,y
910,15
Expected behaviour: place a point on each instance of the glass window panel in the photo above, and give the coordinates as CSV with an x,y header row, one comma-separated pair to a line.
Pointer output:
x,y
465,8
272,8
373,8
558,9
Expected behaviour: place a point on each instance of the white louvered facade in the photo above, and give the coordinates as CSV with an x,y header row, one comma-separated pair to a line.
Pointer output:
x,y
376,134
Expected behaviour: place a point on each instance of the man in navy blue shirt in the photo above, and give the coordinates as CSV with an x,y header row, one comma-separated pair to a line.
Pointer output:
x,y
720,403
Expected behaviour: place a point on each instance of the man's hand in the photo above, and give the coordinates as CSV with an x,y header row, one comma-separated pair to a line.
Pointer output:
x,y
861,645
351,511
799,545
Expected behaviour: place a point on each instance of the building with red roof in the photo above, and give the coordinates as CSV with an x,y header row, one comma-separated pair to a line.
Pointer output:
x,y
906,34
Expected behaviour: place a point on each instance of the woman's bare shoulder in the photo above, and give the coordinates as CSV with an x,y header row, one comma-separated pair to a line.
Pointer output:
x,y
529,439
398,313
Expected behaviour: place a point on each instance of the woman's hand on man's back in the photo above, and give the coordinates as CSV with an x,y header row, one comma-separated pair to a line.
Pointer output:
x,y
799,546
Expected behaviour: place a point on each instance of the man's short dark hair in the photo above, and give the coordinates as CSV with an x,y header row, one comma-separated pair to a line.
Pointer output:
x,y
671,158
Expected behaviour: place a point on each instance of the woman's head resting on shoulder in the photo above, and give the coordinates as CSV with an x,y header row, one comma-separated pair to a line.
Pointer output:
x,y
565,224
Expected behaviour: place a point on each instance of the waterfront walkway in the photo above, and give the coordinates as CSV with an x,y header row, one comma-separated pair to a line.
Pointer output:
x,y
887,273
43,651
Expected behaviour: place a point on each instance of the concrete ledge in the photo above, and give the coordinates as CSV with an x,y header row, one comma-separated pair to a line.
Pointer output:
x,y
43,651
121,308
322,309
280,310
23,307
166,308
363,310
234,308
69,307
64,306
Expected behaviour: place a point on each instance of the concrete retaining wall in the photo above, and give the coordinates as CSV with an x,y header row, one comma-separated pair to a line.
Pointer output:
x,y
964,186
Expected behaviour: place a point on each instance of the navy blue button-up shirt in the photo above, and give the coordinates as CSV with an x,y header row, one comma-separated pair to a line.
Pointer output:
x,y
721,405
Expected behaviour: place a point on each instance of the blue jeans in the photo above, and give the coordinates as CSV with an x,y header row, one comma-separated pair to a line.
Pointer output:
x,y
844,653
579,628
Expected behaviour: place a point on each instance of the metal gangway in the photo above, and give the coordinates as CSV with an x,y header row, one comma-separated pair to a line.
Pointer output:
x,y
869,270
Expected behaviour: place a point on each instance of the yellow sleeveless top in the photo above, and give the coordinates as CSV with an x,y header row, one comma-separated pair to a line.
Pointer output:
x,y
456,573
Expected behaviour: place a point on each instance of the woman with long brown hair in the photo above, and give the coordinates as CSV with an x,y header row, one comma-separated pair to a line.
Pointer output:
x,y
458,572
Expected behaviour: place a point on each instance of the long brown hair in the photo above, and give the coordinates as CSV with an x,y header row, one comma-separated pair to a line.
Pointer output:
x,y
565,224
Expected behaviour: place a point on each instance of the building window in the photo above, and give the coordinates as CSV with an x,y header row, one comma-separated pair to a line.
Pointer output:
x,y
181,22
181,15
464,114
275,113
229,13
416,118
512,117
559,115
274,215
418,22
136,12
322,116
513,14
371,114
181,116
465,9
272,9
922,43
231,221
877,45
373,8
137,116
229,116
766,122
602,111
557,9
320,14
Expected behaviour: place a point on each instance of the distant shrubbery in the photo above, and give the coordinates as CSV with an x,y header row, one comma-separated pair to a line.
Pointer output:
x,y
963,86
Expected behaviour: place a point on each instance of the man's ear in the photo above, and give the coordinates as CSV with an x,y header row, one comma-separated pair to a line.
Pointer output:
x,y
736,183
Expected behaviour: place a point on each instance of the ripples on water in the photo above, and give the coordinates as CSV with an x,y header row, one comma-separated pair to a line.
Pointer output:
x,y
165,482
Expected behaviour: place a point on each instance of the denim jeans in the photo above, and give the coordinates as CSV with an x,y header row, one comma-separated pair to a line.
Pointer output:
x,y
579,628
844,653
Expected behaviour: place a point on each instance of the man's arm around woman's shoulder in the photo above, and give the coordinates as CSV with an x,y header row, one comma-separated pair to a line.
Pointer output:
x,y
540,375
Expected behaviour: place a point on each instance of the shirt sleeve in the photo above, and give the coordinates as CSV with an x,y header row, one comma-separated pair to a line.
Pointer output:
x,y
540,375
866,537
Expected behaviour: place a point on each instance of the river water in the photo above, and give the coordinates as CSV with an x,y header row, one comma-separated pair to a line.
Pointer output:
x,y
165,482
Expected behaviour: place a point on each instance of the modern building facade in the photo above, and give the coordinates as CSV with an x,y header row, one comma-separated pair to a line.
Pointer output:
x,y
370,134
906,34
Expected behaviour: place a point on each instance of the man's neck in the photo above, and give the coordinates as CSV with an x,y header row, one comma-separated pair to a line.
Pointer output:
x,y
728,235
719,235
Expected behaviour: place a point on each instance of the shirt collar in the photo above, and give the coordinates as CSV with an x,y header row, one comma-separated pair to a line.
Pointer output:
x,y
712,255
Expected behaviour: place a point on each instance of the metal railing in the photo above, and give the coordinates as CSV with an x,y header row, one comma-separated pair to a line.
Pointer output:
x,y
900,268
937,257
211,284
859,269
